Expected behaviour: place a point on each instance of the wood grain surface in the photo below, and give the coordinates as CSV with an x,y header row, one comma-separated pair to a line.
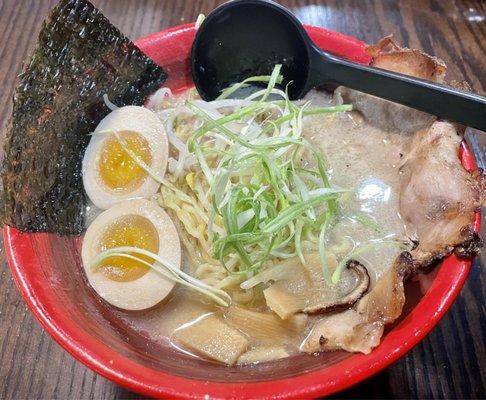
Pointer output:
x,y
449,363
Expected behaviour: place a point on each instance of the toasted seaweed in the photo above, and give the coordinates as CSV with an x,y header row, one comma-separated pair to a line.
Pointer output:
x,y
79,57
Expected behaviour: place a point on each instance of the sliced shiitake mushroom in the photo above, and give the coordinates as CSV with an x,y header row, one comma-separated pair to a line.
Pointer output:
x,y
349,299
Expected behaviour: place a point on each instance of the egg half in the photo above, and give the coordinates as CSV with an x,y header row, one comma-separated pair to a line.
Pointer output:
x,y
125,283
110,173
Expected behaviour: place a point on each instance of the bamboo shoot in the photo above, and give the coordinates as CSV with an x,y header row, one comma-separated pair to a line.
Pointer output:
x,y
262,354
212,338
283,302
264,326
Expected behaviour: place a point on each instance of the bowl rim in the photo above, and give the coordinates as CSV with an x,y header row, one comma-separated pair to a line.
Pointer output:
x,y
155,383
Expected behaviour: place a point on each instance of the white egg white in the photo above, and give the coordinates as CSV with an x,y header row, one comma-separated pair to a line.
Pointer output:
x,y
130,118
149,289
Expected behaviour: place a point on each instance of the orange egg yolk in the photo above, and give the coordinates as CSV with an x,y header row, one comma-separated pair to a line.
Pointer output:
x,y
117,168
129,230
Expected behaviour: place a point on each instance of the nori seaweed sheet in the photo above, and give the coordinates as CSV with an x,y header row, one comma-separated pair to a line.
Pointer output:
x,y
80,56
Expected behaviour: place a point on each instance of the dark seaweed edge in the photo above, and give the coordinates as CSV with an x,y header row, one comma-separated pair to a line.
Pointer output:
x,y
79,57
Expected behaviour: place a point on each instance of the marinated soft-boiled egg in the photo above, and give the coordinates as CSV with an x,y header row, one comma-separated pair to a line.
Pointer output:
x,y
111,173
125,282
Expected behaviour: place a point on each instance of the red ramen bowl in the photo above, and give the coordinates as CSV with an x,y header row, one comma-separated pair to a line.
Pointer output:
x,y
47,269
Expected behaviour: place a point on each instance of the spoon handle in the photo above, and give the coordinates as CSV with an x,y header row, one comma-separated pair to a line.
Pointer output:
x,y
435,99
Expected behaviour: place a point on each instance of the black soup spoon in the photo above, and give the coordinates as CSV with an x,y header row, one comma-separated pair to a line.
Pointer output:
x,y
244,38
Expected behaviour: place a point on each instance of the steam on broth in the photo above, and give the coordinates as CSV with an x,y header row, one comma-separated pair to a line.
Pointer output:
x,y
279,224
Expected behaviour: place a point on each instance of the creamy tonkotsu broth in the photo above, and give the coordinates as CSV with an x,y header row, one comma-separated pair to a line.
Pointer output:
x,y
267,312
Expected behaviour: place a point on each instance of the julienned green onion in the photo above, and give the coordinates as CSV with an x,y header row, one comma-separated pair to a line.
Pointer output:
x,y
271,79
322,246
367,221
199,20
260,224
164,268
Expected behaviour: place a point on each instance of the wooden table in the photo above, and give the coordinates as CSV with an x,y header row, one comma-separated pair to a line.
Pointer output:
x,y
449,363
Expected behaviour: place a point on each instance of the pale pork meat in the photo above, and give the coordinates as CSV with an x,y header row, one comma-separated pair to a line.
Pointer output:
x,y
385,114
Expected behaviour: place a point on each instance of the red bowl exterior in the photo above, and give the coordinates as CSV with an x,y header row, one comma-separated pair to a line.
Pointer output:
x,y
171,49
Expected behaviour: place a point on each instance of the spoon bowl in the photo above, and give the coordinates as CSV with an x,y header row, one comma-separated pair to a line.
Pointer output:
x,y
244,38
247,38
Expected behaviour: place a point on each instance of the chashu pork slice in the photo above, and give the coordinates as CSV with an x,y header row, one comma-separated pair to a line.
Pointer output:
x,y
438,197
383,113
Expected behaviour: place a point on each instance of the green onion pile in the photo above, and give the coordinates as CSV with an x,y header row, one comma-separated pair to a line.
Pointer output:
x,y
266,185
